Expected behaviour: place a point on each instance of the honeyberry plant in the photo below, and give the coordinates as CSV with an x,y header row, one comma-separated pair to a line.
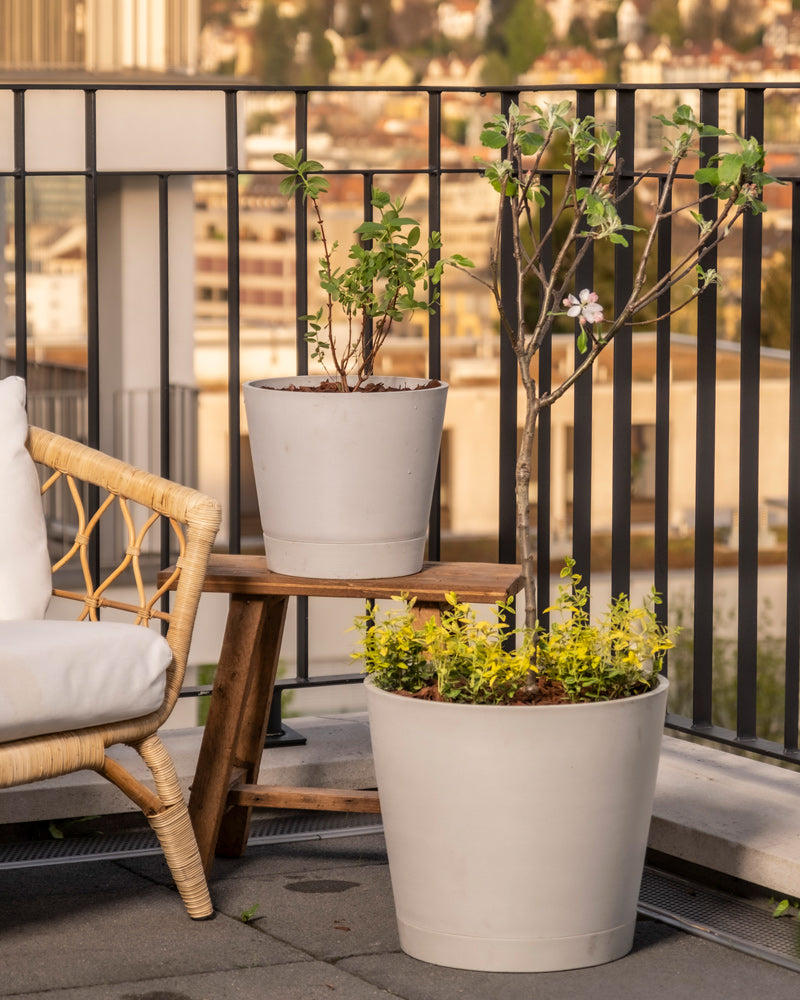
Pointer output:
x,y
587,211
392,272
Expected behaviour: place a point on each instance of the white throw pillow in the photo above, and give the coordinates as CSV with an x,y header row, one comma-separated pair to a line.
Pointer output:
x,y
56,676
25,577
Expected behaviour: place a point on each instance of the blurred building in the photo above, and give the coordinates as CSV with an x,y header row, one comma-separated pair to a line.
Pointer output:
x,y
100,36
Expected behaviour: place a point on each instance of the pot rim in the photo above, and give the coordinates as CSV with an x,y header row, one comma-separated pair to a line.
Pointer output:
x,y
281,381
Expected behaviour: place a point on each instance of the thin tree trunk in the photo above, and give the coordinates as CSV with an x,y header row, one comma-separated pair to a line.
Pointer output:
x,y
522,492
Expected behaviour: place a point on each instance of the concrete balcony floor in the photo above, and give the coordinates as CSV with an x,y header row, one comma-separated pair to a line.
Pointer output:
x,y
324,928
324,923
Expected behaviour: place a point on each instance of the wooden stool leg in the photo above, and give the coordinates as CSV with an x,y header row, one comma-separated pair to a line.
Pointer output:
x,y
235,826
239,663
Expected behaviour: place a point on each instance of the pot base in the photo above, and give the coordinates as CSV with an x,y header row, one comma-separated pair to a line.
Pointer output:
x,y
346,561
520,955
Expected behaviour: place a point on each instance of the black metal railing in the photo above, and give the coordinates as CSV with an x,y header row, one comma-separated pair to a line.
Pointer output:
x,y
436,161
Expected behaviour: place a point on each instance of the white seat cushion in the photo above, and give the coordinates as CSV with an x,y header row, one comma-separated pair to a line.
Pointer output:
x,y
56,675
25,577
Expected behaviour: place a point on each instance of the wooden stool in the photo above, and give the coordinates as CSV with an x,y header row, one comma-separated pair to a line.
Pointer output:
x,y
223,792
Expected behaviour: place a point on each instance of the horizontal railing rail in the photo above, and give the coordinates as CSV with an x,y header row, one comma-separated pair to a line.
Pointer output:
x,y
722,659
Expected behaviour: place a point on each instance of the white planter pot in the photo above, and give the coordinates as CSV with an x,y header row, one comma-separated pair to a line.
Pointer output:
x,y
344,480
516,835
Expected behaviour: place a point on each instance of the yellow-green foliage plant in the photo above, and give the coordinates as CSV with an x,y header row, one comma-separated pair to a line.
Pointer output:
x,y
460,658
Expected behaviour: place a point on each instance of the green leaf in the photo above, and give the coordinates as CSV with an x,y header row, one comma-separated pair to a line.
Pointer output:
x,y
707,175
781,908
492,139
287,160
583,341
530,143
730,168
370,230
710,131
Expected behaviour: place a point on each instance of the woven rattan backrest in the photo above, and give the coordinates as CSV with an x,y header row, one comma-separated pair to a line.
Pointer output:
x,y
140,503
127,568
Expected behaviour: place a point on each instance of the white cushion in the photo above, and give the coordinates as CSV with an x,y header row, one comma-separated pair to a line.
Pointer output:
x,y
56,675
25,577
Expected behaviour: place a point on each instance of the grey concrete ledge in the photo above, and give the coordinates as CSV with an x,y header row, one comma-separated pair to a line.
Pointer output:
x,y
724,812
728,813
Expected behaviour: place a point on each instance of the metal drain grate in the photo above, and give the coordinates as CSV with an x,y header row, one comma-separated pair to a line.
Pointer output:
x,y
141,843
719,917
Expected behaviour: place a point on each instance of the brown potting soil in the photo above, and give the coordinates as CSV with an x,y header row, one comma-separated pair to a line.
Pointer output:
x,y
332,385
544,692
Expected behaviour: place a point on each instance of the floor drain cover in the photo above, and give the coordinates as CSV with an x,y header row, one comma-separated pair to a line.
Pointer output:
x,y
719,917
141,843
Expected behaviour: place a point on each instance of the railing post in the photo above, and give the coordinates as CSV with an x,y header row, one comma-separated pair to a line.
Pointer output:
x,y
623,358
703,616
507,535
582,413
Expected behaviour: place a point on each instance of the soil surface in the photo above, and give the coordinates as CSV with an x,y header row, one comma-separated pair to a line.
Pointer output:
x,y
332,385
544,692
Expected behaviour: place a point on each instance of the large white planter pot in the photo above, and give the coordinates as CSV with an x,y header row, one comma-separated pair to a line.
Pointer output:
x,y
344,480
516,835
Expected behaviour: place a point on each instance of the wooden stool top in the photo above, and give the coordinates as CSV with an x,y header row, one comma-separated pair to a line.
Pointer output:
x,y
478,583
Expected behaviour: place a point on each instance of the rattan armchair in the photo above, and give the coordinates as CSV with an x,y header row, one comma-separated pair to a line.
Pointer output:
x,y
141,502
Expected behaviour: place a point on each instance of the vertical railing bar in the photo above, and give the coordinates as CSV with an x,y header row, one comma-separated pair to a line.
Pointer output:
x,y
507,535
623,360
368,181
663,382
749,396
20,239
544,518
703,614
301,238
582,412
165,411
234,321
301,349
92,310
435,318
792,675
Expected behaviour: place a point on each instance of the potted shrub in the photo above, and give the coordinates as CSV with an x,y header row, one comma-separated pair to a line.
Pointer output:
x,y
326,510
517,787
516,809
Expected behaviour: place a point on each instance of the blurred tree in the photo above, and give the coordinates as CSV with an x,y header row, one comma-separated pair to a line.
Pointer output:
x,y
527,32
496,70
776,290
378,16
606,25
274,45
580,35
663,19
521,30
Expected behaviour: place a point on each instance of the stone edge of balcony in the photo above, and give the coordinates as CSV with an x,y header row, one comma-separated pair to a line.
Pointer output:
x,y
719,811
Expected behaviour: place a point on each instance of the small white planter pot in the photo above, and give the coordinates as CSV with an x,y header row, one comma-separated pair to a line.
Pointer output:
x,y
344,480
516,835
